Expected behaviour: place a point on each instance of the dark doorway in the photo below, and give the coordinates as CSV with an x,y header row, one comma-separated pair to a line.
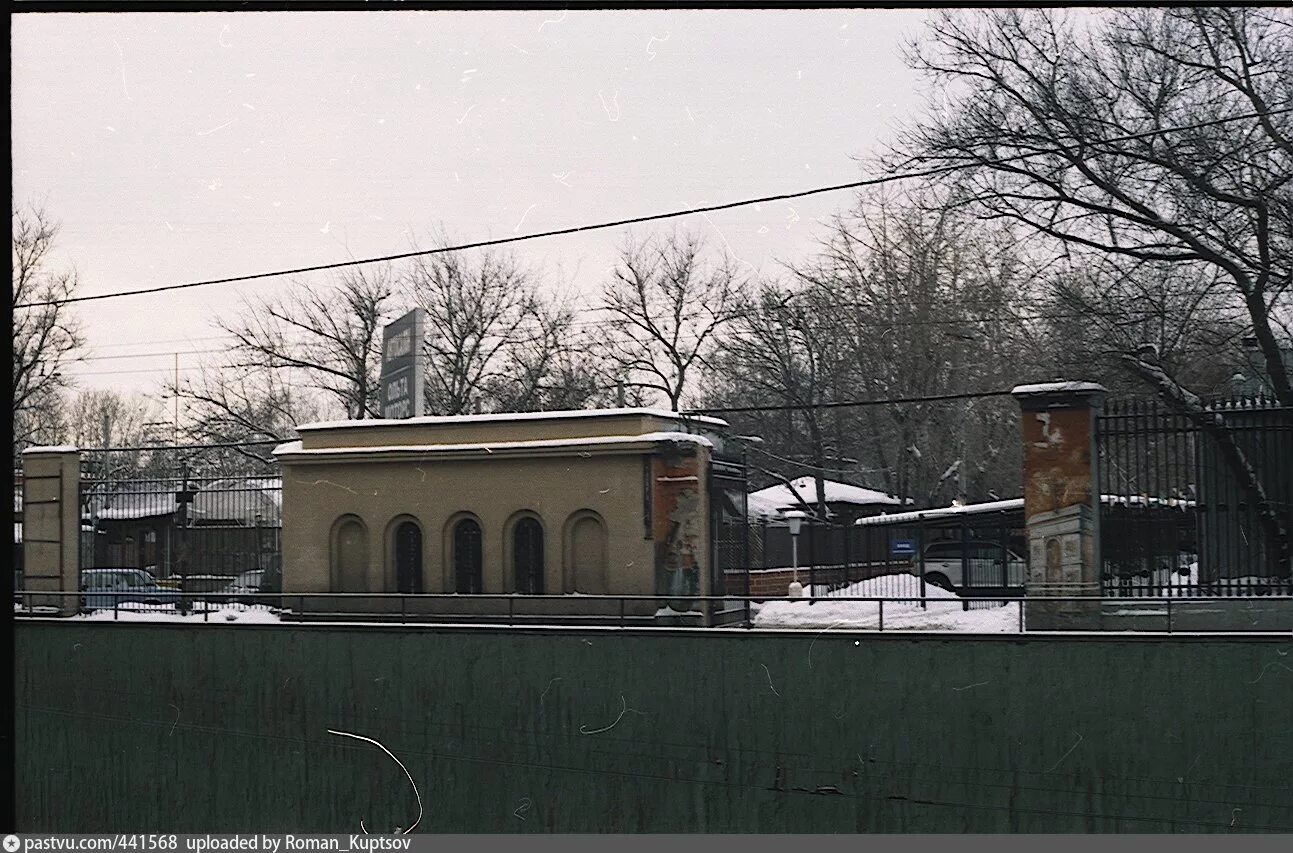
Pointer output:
x,y
527,556
408,557
467,557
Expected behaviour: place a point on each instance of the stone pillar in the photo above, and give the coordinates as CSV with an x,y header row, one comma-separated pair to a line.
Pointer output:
x,y
1061,502
51,526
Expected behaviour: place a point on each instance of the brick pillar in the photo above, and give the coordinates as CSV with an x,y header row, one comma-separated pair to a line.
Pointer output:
x,y
51,526
1061,502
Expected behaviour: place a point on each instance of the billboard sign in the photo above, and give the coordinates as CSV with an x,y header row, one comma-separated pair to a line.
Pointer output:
x,y
402,366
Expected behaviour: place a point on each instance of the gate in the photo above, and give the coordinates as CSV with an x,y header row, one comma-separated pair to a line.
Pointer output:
x,y
193,514
730,531
1195,504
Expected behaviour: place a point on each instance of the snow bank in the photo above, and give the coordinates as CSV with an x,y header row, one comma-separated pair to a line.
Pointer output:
x,y
944,611
225,614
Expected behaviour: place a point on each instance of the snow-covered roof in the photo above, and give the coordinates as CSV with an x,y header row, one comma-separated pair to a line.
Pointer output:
x,y
220,500
58,448
780,497
515,416
294,448
761,507
942,512
1010,505
1056,388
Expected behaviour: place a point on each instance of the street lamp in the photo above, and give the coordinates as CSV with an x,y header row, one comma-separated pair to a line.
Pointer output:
x,y
795,519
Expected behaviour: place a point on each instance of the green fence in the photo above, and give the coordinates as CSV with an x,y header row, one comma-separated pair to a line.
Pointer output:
x,y
223,728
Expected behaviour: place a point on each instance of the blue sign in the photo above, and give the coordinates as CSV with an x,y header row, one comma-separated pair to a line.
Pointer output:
x,y
903,548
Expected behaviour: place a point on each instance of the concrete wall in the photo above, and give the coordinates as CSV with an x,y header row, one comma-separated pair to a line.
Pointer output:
x,y
223,728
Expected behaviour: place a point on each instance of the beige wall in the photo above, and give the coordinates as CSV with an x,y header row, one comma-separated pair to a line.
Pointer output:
x,y
51,525
555,489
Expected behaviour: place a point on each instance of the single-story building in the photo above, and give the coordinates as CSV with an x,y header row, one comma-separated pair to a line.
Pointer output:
x,y
571,504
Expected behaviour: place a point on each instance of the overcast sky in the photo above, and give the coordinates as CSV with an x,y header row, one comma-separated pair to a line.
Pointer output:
x,y
176,147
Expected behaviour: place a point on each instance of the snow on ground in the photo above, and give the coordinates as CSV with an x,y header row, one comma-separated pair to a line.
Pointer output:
x,y
943,610
169,614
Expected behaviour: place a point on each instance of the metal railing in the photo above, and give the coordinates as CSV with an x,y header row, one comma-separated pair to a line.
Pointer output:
x,y
891,613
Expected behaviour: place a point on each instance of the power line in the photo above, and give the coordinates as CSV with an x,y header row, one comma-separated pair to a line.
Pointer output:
x,y
159,341
148,354
1146,314
869,182
933,398
170,371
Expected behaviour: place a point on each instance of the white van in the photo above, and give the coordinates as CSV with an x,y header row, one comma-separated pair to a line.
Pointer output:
x,y
989,565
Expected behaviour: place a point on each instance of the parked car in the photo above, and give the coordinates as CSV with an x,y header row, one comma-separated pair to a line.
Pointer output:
x,y
945,563
107,588
253,587
166,583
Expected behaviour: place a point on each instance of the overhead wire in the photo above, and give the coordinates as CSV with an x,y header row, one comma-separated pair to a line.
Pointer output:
x,y
868,182
876,324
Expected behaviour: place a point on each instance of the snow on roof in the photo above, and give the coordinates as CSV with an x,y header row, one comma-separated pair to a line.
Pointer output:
x,y
1056,387
1010,505
515,416
222,500
294,448
58,448
781,497
760,506
942,512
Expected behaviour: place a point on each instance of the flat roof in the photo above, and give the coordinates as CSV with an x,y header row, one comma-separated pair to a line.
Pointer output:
x,y
497,417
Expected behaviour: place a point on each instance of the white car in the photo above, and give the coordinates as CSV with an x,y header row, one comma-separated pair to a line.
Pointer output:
x,y
989,564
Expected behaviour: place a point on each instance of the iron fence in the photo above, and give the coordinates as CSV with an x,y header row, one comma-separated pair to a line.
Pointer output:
x,y
193,517
904,554
1195,504
866,613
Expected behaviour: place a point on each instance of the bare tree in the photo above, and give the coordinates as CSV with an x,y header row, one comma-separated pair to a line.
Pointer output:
x,y
107,418
1099,313
330,336
1152,136
778,351
46,338
490,338
924,302
552,368
241,405
664,306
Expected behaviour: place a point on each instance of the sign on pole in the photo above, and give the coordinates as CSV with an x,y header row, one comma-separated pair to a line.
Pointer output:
x,y
402,366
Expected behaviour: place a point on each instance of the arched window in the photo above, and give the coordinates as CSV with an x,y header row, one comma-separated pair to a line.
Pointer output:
x,y
467,560
527,556
586,553
408,557
349,555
